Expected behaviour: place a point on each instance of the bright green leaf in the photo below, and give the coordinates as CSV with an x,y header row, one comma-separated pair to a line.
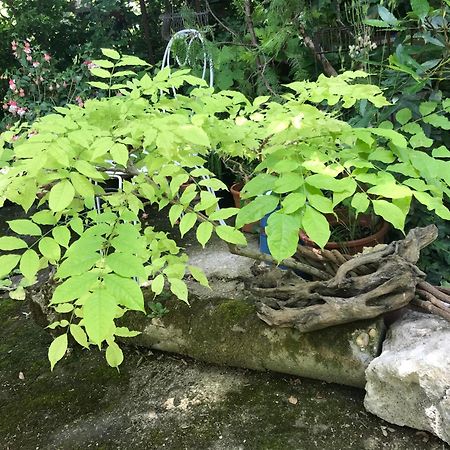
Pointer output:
x,y
316,226
61,235
24,226
157,285
119,153
231,235
282,235
61,195
79,335
101,73
8,243
403,116
7,264
125,291
74,287
389,212
99,311
57,350
293,202
223,213
50,249
114,355
203,233
187,222
125,332
126,264
360,202
198,275
256,209
179,288
110,53
29,264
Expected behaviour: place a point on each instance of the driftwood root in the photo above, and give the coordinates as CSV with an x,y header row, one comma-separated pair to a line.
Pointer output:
x,y
364,286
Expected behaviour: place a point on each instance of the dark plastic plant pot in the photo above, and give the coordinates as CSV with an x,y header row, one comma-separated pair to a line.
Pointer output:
x,y
354,246
235,190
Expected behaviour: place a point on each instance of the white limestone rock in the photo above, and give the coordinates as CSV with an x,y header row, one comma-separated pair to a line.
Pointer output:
x,y
409,383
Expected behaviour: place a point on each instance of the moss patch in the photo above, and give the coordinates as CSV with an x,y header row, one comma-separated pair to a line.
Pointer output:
x,y
160,401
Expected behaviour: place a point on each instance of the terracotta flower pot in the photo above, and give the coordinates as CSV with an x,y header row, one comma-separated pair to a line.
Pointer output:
x,y
235,190
354,246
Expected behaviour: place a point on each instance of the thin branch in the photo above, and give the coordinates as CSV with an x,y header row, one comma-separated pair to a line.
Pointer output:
x,y
251,29
427,306
431,298
289,262
233,33
444,290
434,291
318,53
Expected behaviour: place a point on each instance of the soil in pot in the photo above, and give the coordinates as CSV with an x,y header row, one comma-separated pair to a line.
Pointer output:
x,y
367,234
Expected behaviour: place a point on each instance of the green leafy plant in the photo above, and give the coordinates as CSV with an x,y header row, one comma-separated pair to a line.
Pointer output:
x,y
309,162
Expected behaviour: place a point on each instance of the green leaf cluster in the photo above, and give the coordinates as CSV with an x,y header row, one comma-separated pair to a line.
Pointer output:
x,y
308,163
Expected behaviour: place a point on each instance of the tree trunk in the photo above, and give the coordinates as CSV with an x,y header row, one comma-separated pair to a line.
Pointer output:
x,y
146,30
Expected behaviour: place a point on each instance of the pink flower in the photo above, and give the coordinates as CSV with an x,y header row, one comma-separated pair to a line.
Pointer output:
x,y
79,101
14,45
36,63
12,107
15,137
21,93
26,43
47,57
29,58
5,106
64,84
32,133
21,111
90,64
27,50
12,85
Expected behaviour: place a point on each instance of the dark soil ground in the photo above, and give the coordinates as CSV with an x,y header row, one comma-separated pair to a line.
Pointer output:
x,y
159,401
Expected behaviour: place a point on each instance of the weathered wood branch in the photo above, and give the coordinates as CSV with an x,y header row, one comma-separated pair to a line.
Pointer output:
x,y
292,302
436,292
290,263
431,308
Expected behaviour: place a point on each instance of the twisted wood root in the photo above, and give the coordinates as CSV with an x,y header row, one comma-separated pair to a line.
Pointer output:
x,y
363,286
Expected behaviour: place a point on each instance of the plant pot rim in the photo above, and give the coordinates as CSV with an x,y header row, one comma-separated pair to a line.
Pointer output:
x,y
361,242
237,186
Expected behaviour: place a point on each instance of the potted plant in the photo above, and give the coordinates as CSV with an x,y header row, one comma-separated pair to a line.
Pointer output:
x,y
242,171
308,171
308,163
350,234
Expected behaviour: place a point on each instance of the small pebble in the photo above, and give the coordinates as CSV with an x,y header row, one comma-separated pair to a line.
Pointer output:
x,y
362,340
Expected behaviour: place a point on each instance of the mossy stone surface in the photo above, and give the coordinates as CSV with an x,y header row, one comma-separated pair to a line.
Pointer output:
x,y
158,401
228,332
